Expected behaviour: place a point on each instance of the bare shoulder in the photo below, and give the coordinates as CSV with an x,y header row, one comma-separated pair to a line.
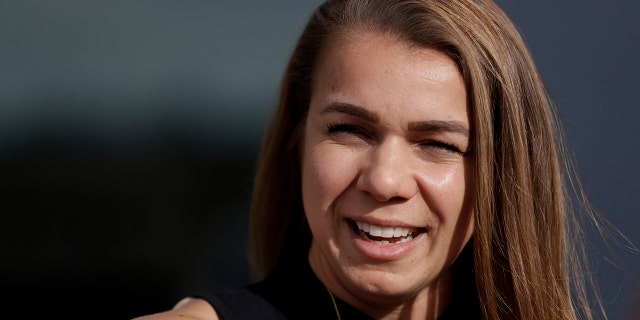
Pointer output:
x,y
186,309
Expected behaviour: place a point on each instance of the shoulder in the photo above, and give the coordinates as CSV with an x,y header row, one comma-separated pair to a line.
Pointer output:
x,y
186,309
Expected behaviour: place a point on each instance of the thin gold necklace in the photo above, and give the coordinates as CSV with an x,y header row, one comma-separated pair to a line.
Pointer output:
x,y
335,306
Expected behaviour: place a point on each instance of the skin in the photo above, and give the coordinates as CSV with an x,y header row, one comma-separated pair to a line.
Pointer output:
x,y
186,309
386,142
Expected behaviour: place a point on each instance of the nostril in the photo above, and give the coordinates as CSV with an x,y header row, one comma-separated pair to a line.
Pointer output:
x,y
397,199
385,188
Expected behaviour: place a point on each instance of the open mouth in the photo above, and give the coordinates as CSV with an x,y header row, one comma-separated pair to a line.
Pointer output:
x,y
384,235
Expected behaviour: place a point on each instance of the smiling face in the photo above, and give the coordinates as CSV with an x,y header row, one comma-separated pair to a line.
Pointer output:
x,y
386,173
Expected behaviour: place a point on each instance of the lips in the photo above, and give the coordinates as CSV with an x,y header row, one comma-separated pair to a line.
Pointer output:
x,y
384,236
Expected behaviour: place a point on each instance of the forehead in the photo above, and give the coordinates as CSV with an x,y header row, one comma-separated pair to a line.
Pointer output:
x,y
350,47
378,70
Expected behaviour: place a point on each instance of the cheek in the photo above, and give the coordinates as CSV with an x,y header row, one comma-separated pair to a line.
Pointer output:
x,y
445,182
327,171
448,192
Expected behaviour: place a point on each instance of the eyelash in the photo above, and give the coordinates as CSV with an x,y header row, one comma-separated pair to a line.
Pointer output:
x,y
347,128
362,133
444,145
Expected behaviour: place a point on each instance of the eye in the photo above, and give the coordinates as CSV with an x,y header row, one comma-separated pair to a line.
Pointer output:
x,y
441,146
349,129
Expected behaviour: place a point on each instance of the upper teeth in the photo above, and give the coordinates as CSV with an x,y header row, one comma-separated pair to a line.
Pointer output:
x,y
385,232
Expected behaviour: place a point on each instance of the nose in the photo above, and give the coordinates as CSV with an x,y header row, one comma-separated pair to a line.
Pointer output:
x,y
386,174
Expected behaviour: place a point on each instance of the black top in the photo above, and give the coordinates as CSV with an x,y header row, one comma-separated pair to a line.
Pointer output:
x,y
294,292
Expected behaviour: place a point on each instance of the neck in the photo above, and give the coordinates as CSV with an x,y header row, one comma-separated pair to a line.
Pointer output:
x,y
428,303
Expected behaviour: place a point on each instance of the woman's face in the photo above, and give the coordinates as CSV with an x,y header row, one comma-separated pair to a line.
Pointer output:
x,y
386,172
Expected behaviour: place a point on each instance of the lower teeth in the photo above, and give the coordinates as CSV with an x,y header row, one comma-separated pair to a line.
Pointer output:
x,y
385,242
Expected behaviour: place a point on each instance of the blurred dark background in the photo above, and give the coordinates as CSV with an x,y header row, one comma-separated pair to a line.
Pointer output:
x,y
129,132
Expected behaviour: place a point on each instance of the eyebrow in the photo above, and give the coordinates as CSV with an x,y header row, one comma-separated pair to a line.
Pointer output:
x,y
439,126
418,126
352,110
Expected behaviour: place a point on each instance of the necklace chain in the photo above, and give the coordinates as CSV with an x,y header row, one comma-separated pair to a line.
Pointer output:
x,y
335,306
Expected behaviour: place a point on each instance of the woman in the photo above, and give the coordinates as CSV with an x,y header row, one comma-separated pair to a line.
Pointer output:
x,y
412,170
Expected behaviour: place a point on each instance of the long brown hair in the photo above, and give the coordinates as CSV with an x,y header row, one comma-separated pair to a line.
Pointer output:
x,y
523,244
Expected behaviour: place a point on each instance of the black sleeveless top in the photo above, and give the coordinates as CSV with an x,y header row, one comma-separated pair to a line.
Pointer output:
x,y
291,292
294,292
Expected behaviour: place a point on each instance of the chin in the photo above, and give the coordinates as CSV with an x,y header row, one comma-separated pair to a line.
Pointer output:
x,y
388,286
